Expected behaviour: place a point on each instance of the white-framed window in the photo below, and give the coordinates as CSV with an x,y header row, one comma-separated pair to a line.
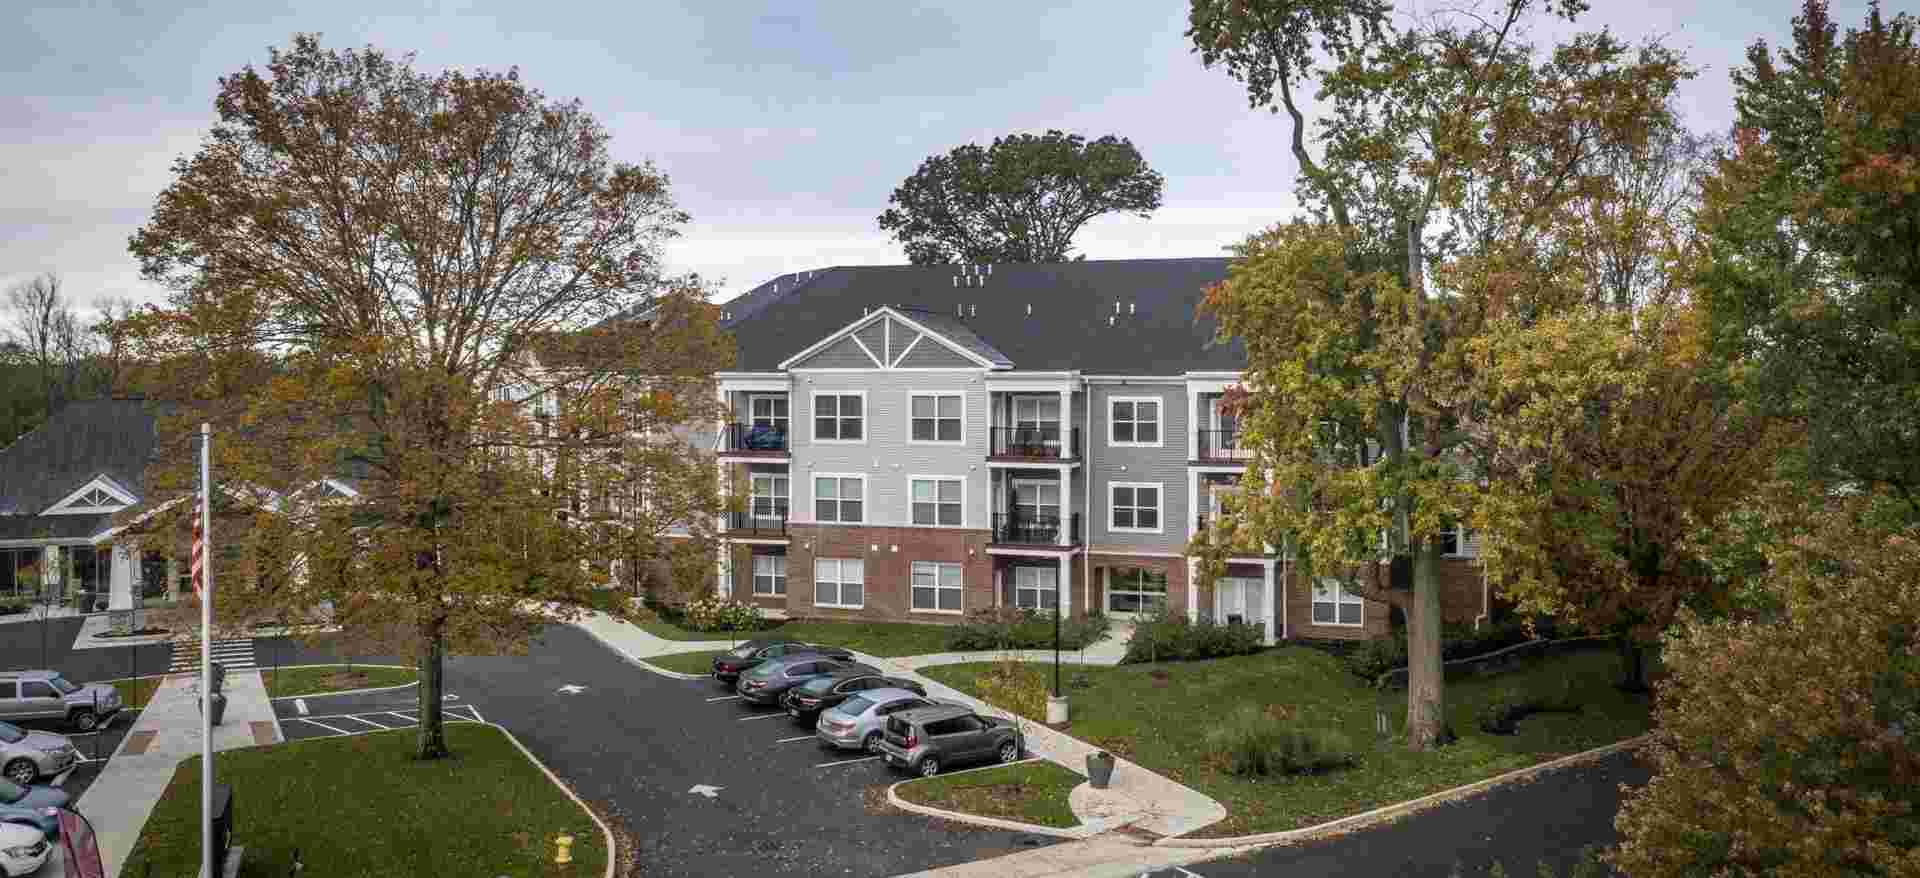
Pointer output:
x,y
1036,588
937,587
1334,605
937,417
840,582
1134,507
769,574
840,417
1036,500
1459,542
1136,589
1133,420
938,502
768,496
768,410
839,498
1036,418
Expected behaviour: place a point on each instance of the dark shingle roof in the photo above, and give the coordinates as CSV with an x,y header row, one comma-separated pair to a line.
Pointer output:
x,y
84,439
1073,323
53,527
956,330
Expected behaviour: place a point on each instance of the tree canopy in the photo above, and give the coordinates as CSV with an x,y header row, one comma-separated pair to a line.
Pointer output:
x,y
1021,199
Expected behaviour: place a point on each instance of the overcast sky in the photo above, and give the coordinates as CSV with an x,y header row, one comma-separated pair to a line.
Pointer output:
x,y
783,126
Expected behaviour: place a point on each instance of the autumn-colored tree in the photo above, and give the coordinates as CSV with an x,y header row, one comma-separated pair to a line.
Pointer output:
x,y
1021,199
1812,223
1453,156
376,275
1789,747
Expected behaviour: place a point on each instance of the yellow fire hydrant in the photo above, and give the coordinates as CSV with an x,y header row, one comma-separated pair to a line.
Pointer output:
x,y
563,849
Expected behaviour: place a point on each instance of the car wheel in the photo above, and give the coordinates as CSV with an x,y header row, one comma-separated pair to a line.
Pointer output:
x,y
22,772
1009,751
871,743
85,721
929,767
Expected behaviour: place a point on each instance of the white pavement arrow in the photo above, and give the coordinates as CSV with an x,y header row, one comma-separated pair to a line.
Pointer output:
x,y
571,689
701,789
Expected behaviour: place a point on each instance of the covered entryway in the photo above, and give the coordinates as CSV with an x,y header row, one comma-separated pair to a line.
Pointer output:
x,y
1240,600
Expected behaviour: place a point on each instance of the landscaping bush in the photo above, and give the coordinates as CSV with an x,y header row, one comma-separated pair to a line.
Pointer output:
x,y
1509,706
713,613
1170,637
1016,687
1457,641
1013,628
15,607
1254,743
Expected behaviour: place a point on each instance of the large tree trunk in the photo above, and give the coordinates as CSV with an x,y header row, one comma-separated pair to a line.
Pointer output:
x,y
1426,681
432,688
1633,661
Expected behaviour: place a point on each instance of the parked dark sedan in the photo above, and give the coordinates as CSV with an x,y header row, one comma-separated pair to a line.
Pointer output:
x,y
729,665
768,681
805,701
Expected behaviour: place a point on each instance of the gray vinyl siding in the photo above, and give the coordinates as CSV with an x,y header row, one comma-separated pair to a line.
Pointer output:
x,y
930,354
886,458
874,336
1166,465
843,354
901,336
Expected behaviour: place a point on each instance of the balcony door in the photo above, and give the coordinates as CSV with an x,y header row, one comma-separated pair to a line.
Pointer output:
x,y
1225,430
1239,599
767,419
1036,425
1036,508
767,500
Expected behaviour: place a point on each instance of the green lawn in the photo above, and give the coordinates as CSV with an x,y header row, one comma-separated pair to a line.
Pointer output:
x,y
1031,792
320,679
362,806
685,662
134,694
884,639
1157,715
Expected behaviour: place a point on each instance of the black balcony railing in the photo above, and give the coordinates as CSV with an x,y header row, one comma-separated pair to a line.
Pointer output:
x,y
1221,445
756,439
1026,529
761,523
1033,443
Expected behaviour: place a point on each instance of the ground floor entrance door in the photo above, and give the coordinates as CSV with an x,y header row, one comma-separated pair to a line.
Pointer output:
x,y
1240,599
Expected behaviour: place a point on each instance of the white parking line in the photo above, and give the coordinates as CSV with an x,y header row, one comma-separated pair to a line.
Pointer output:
x,y
403,717
846,762
322,725
726,698
775,714
362,719
791,740
300,704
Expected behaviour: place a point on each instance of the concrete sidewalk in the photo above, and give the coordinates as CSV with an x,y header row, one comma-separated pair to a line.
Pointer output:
x,y
1103,856
120,799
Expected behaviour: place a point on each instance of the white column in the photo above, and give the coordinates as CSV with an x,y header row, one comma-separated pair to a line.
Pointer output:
x,y
120,581
1193,590
1273,594
1060,586
1066,507
1066,423
1194,424
724,572
1195,503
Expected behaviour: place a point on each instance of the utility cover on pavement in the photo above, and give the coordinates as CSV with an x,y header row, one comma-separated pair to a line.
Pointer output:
x,y
571,689
710,792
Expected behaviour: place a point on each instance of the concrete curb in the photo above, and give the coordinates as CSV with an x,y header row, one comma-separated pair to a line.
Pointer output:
x,y
264,670
893,798
644,665
606,832
1389,812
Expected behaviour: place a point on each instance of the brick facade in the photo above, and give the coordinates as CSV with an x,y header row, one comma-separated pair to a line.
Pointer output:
x,y
887,554
1460,602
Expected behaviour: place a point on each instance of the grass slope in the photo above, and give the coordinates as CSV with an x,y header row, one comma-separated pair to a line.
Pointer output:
x,y
885,639
362,806
1158,715
320,679
1031,792
134,694
685,662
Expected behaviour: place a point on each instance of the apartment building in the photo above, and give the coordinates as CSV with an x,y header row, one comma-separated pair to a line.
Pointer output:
x,y
917,442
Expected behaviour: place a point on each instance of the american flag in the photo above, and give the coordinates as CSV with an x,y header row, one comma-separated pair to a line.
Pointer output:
x,y
199,551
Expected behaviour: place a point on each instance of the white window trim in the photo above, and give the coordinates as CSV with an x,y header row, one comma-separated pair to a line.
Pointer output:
x,y
1038,604
756,396
1340,596
1160,422
754,480
937,588
839,565
1160,509
1108,589
813,422
1062,505
814,498
936,493
782,578
936,395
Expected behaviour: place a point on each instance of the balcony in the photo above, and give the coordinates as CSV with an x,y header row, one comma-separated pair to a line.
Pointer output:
x,y
1242,549
770,524
754,440
1013,529
1038,444
1221,446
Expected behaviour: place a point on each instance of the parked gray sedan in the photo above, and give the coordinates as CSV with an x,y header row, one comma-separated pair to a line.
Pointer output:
x,y
28,756
856,723
767,682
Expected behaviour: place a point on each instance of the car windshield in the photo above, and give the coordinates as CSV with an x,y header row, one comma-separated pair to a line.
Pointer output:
x,y
855,705
61,684
11,792
11,733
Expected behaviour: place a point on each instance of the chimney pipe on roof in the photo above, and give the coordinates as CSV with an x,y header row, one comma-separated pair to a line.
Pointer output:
x,y
973,310
1131,306
1109,320
956,281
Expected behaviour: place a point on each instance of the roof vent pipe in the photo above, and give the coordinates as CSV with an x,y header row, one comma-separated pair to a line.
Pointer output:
x,y
956,281
1029,309
1109,320
1131,306
973,310
1116,309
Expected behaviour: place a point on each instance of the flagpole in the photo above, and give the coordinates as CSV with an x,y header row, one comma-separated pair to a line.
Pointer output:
x,y
206,652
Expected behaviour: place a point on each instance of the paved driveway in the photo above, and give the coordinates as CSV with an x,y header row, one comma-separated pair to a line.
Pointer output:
x,y
636,743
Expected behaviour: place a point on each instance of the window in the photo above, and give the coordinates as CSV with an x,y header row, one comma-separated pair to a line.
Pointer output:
x,y
767,497
1136,589
35,689
936,587
1459,542
839,417
839,582
839,499
1036,419
9,689
1135,507
937,502
1036,501
770,574
1035,588
1135,422
936,418
1333,605
768,411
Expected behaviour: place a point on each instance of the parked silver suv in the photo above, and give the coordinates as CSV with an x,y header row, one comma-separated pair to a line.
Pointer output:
x,y
926,739
47,695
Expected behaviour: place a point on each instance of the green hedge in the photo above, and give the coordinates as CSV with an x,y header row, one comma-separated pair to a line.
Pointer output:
x,y
1011,628
1251,743
1169,636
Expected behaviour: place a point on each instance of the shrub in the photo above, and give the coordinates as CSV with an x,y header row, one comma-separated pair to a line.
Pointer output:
x,y
1169,636
1509,706
1457,641
713,613
1015,686
1014,628
1252,743
14,607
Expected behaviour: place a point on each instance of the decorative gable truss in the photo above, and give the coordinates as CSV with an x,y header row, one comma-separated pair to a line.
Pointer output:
x,y
886,340
101,494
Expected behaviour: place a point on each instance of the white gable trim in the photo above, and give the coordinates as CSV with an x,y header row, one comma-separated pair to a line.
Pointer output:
x,y
879,362
909,349
69,505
